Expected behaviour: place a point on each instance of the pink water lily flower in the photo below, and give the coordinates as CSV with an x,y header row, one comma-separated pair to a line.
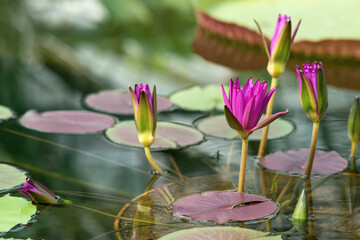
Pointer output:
x,y
244,106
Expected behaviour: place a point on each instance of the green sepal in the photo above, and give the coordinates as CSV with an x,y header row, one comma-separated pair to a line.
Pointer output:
x,y
154,100
234,123
322,94
354,121
300,214
40,198
134,102
263,40
308,99
145,121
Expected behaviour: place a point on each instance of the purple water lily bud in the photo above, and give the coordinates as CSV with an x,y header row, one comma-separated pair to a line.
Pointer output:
x,y
313,90
145,113
38,193
244,106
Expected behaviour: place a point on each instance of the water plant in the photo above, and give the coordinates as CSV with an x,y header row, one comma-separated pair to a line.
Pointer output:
x,y
314,99
38,193
277,55
145,115
243,109
354,126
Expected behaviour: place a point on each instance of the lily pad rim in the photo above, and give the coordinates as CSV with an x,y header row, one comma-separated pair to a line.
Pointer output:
x,y
89,108
8,190
301,175
156,149
116,120
255,221
197,121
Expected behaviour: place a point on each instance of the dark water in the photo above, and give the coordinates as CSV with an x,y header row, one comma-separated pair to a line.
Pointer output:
x,y
52,54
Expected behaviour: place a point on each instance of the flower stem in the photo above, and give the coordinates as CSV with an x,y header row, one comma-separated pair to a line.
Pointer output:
x,y
151,160
269,108
353,149
312,148
243,165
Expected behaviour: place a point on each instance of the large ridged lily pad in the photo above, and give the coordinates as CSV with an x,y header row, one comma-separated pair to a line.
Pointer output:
x,y
294,162
221,207
210,233
217,126
76,122
119,102
5,113
199,98
323,30
14,211
10,177
168,135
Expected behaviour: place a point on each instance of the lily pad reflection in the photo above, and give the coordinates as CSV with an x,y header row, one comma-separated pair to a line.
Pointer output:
x,y
168,135
217,126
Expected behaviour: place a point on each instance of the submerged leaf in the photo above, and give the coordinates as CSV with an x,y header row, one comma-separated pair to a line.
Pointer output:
x,y
10,177
76,122
221,207
294,162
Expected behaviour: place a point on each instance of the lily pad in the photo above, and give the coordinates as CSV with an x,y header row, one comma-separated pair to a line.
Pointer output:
x,y
294,162
199,98
210,233
221,207
10,177
78,122
168,135
119,102
14,211
5,113
331,35
217,126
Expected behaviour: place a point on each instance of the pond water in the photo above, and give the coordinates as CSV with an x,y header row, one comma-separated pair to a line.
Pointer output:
x,y
54,53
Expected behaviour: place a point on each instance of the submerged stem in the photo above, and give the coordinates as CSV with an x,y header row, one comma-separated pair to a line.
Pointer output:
x,y
243,165
269,108
151,160
312,148
353,149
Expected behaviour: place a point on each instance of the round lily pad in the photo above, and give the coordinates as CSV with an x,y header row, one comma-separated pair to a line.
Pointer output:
x,y
119,102
221,207
199,98
217,126
168,135
14,211
10,177
210,233
294,162
5,113
77,122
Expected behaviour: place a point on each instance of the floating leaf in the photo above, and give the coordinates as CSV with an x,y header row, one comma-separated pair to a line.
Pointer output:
x,y
199,98
168,135
119,102
5,113
222,207
217,126
14,211
294,162
332,34
210,233
10,177
66,121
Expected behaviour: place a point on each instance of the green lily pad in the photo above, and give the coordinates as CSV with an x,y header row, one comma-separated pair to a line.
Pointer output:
x,y
10,177
168,135
14,211
216,126
321,31
5,113
209,233
199,98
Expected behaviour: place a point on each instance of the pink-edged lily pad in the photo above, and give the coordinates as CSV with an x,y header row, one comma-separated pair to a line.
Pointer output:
x,y
5,113
294,162
221,207
216,126
168,135
210,233
119,102
78,122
